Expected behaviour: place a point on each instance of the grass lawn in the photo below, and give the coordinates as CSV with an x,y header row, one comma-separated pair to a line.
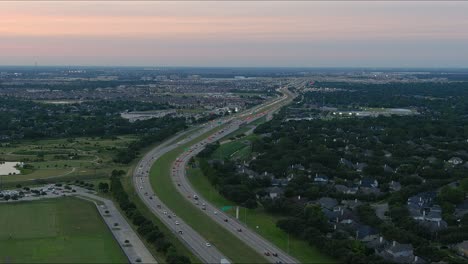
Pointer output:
x,y
49,158
65,230
226,242
225,151
257,217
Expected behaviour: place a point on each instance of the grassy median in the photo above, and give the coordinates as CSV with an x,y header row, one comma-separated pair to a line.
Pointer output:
x,y
226,242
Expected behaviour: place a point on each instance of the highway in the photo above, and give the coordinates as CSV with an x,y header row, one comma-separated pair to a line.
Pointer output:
x,y
194,241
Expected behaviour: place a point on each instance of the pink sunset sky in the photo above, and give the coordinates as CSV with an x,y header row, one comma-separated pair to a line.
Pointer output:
x,y
302,34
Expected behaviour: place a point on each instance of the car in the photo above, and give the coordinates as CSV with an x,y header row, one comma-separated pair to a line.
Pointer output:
x,y
159,206
180,232
215,212
203,208
178,184
274,254
165,212
177,222
267,253
208,244
174,215
203,204
239,230
169,216
151,197
226,220
146,193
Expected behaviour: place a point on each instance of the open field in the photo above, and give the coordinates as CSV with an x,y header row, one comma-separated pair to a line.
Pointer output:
x,y
64,158
213,232
65,230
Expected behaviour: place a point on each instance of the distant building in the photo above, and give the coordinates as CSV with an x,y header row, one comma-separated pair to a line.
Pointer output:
x,y
455,161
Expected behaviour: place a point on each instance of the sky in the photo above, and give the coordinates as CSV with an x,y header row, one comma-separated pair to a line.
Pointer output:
x,y
231,33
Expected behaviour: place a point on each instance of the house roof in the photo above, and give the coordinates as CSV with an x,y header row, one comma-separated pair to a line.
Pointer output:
x,y
367,182
364,231
400,247
327,202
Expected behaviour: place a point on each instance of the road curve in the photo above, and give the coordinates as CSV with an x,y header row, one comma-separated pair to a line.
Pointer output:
x,y
251,238
194,241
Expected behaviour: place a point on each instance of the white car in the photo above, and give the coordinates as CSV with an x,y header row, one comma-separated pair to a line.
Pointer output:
x,y
177,222
208,244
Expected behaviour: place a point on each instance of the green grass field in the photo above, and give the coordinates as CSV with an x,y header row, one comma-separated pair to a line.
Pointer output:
x,y
65,230
50,158
226,242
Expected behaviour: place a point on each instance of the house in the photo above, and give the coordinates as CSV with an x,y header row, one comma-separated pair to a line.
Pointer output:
x,y
394,186
321,179
351,204
388,169
346,190
462,248
360,166
366,233
421,200
275,192
346,163
327,202
455,161
434,214
244,170
298,167
279,182
434,226
397,250
369,183
377,244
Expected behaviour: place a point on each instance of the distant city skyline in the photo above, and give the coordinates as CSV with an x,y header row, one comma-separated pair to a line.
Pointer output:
x,y
235,34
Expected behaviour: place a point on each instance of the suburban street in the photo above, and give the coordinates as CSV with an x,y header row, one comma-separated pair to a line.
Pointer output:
x,y
195,242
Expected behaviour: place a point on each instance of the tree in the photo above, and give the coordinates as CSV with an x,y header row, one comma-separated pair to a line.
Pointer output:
x,y
451,195
103,187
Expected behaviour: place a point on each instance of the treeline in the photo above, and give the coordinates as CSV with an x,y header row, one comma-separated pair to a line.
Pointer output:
x,y
311,225
23,119
146,228
238,188
172,126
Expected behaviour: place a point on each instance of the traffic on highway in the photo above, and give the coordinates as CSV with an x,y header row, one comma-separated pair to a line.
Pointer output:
x,y
207,252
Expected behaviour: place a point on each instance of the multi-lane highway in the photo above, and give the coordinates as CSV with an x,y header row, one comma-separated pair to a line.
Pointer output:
x,y
194,241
